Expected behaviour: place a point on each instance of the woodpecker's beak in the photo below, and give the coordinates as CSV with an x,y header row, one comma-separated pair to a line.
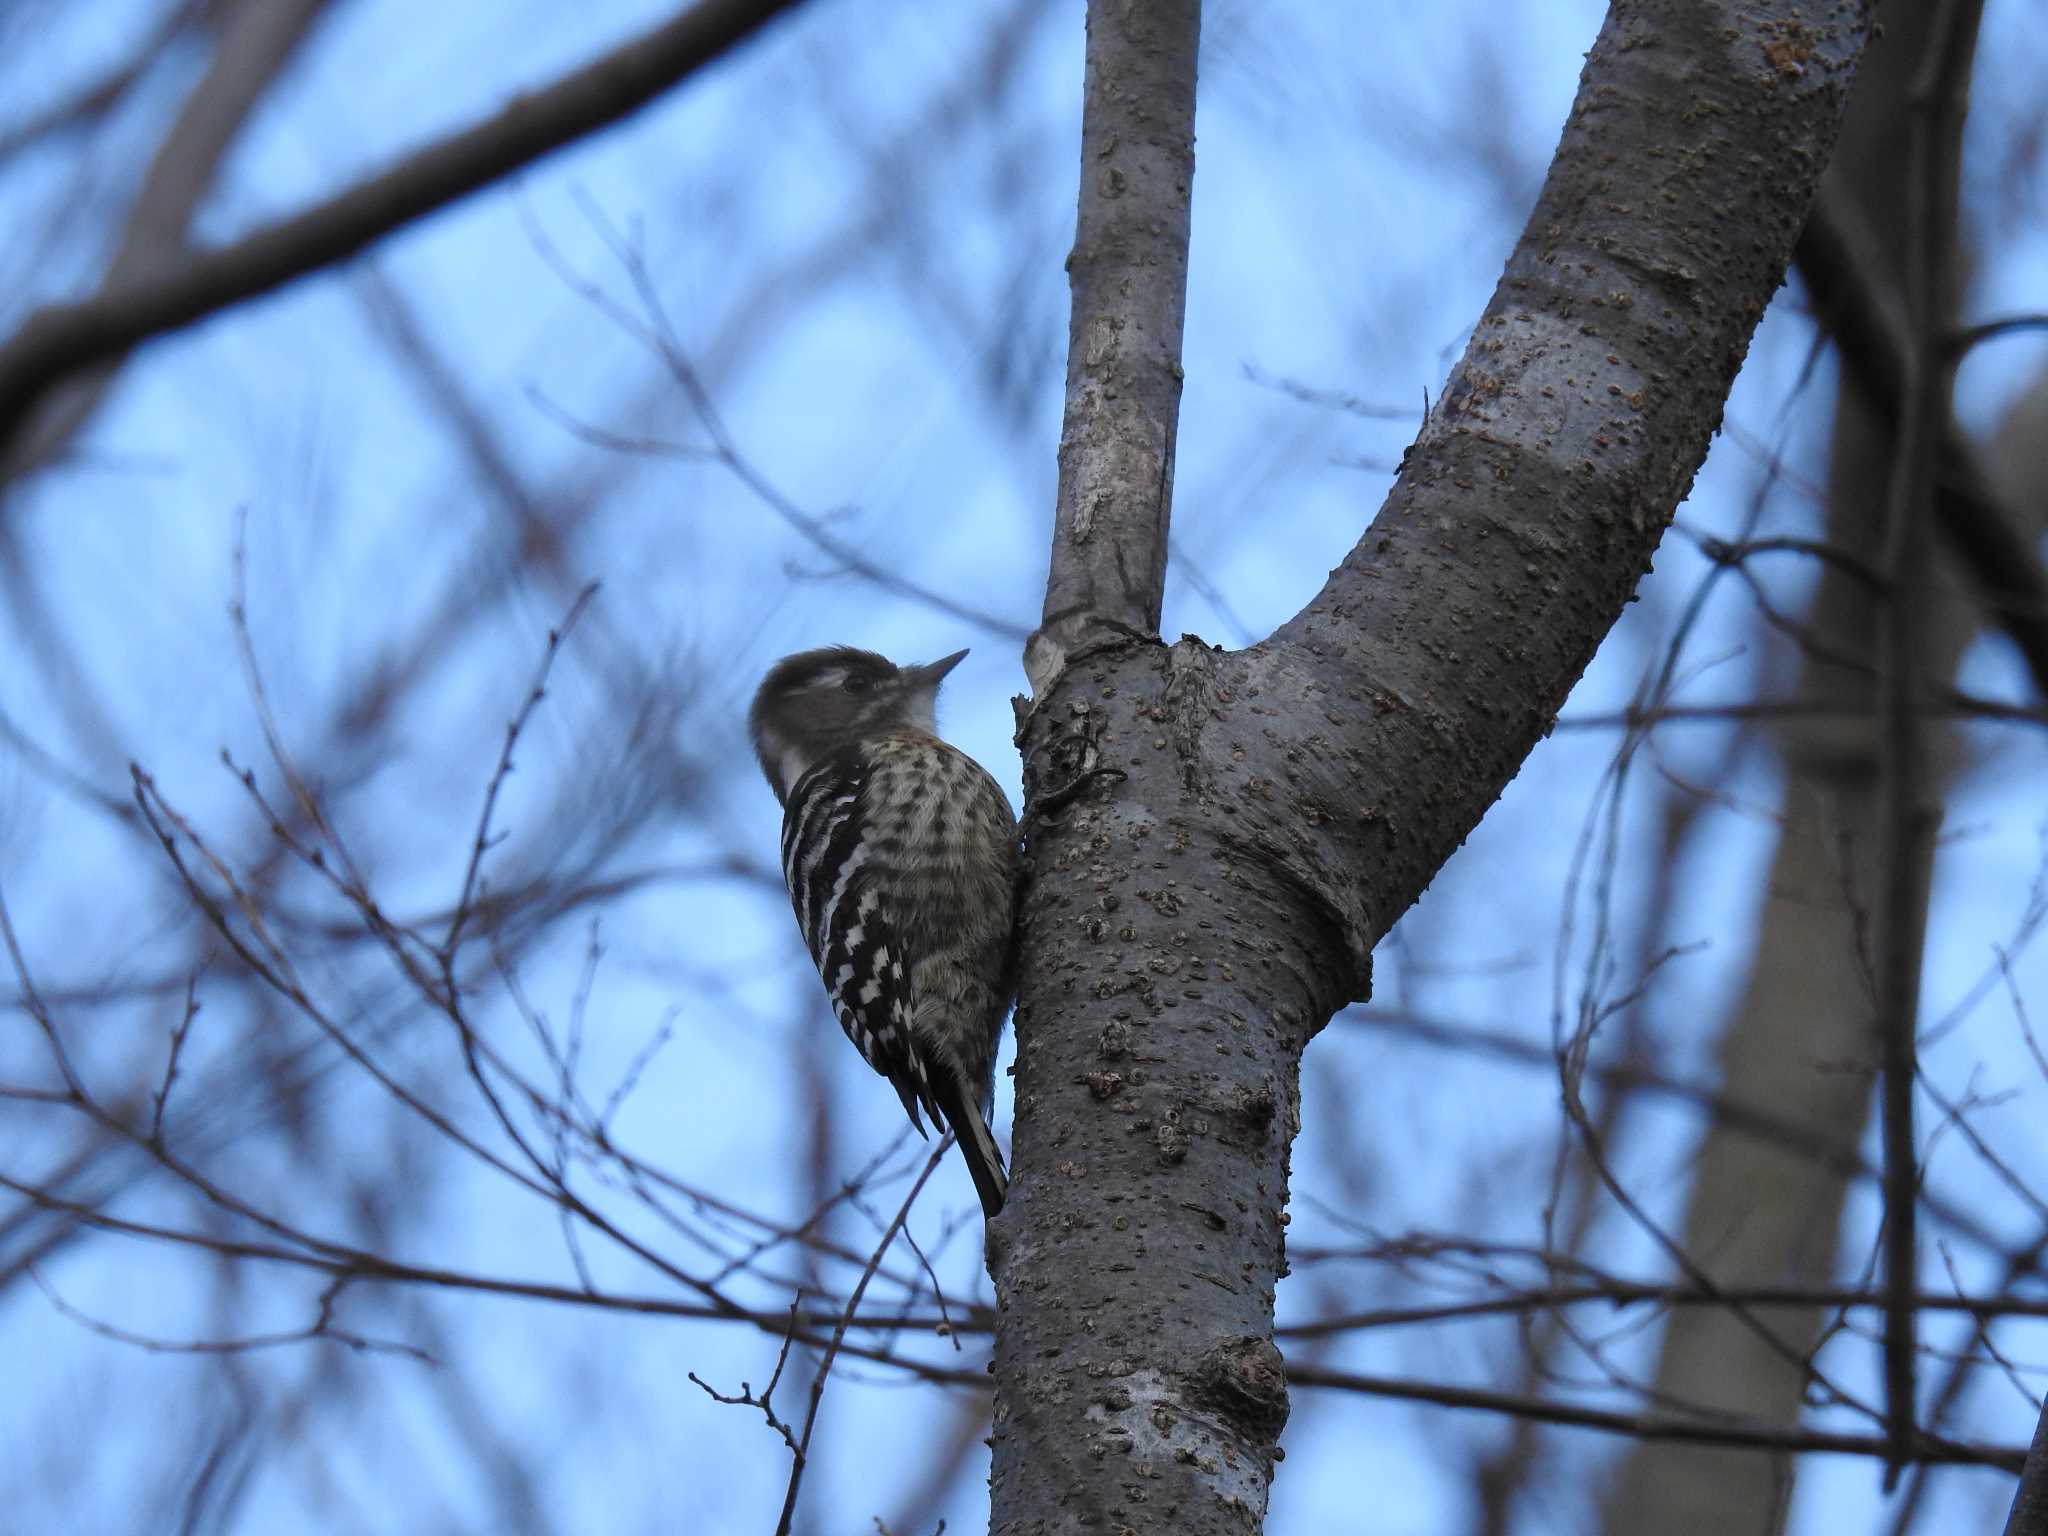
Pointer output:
x,y
928,675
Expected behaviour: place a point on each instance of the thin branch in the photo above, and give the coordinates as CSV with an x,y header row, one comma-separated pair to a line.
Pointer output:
x,y
102,95
1958,706
1635,1077
1949,1394
1984,1342
1649,1426
321,1329
653,329
766,1401
268,962
22,1094
1972,336
32,1000
360,1266
1909,819
1866,320
481,843
179,1032
1572,1055
1618,1293
2019,1009
1723,552
803,1446
1332,399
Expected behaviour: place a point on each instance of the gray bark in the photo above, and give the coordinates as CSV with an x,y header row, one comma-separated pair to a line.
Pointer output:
x,y
2029,1515
1190,926
1129,273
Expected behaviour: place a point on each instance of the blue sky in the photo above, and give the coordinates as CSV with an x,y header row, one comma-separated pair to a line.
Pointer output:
x,y
854,230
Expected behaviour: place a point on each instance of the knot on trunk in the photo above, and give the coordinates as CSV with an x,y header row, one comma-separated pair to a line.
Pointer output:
x,y
1246,1379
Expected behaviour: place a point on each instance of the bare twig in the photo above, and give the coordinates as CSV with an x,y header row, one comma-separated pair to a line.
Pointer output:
x,y
320,1330
1957,706
1571,1070
360,1266
1749,1118
652,328
1722,552
1960,1375
1984,1341
179,1032
1646,1426
642,1059
1955,1114
1573,1045
481,843
1615,1292
766,1401
2019,1009
1866,320
1331,399
1991,330
803,1447
60,1056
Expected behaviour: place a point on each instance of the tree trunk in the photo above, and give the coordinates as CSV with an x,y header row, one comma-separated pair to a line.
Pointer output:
x,y
1199,909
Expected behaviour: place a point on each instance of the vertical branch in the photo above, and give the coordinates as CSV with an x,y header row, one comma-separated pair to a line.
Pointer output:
x,y
1937,102
1128,271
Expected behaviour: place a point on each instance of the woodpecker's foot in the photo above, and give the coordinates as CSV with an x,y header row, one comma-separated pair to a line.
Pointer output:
x,y
1070,791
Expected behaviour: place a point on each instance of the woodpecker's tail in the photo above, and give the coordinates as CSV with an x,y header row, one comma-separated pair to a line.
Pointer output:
x,y
956,1102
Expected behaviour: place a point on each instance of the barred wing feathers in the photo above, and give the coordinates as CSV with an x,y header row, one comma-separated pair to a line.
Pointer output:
x,y
827,863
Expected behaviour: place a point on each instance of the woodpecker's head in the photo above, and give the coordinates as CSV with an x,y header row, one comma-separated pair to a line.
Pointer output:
x,y
815,703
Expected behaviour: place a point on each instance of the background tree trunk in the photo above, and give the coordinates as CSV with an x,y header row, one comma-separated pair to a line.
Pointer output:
x,y
1800,1045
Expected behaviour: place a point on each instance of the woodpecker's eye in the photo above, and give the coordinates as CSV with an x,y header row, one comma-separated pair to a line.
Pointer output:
x,y
857,682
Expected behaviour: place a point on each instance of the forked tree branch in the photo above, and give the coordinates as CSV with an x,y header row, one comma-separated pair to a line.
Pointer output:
x,y
1194,921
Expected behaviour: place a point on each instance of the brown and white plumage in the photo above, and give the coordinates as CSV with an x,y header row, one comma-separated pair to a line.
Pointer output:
x,y
900,853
